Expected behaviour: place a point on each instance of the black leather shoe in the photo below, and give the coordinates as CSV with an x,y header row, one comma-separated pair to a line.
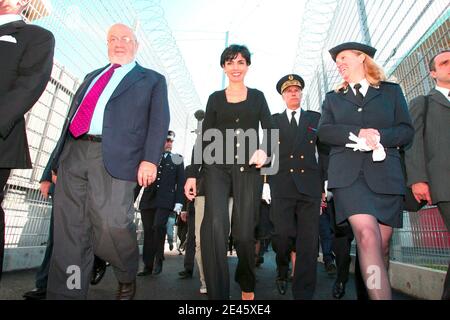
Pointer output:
x,y
281,286
145,272
171,247
98,272
36,294
157,268
126,291
330,268
338,290
185,274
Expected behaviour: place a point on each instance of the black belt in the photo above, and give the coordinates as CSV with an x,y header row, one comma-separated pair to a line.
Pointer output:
x,y
91,137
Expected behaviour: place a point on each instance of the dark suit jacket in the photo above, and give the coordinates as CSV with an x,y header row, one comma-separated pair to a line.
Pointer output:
x,y
385,109
427,160
135,123
25,69
168,188
299,170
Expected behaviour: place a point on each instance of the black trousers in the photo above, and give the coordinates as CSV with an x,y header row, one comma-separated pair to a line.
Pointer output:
x,y
246,187
342,241
296,222
154,222
4,175
190,239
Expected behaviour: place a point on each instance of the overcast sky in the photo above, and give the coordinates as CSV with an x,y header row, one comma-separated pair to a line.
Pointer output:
x,y
269,28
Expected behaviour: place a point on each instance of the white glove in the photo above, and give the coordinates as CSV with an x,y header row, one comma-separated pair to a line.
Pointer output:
x,y
378,153
266,193
360,144
178,207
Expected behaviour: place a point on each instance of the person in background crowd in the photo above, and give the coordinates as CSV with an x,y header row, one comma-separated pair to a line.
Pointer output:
x,y
157,202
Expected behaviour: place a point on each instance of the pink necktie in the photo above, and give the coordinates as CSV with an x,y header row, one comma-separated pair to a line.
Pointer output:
x,y
82,120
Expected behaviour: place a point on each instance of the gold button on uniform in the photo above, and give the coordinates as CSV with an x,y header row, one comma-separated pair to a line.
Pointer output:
x,y
242,169
279,142
238,145
302,171
237,157
359,109
238,132
292,157
311,141
237,120
302,157
292,170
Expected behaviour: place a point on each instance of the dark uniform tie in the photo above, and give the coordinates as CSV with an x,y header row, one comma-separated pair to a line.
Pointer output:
x,y
293,121
359,95
293,124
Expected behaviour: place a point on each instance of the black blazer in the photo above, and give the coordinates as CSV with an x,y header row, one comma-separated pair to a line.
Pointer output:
x,y
25,68
135,123
168,188
385,109
238,117
300,172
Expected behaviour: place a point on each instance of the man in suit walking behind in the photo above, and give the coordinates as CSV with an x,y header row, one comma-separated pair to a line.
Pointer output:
x,y
113,137
296,190
157,203
26,60
427,164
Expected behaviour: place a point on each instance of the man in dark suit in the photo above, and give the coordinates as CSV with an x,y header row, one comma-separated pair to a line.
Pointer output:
x,y
427,164
113,137
158,201
26,60
296,190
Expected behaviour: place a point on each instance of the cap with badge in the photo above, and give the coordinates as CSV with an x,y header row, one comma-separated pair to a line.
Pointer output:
x,y
170,135
370,51
290,80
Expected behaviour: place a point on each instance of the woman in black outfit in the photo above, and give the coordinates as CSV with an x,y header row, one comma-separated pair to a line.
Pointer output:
x,y
367,192
231,164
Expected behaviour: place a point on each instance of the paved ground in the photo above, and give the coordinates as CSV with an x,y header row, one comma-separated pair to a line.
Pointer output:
x,y
167,285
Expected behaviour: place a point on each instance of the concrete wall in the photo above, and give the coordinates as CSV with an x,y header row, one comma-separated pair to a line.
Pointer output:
x,y
419,282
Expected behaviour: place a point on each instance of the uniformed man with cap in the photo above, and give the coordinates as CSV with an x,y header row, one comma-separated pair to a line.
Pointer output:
x,y
297,189
158,201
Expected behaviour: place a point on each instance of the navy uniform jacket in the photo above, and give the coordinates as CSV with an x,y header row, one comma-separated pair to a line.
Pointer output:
x,y
385,109
25,67
168,188
135,122
299,169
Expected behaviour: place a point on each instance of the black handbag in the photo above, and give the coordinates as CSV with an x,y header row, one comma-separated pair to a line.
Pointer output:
x,y
409,202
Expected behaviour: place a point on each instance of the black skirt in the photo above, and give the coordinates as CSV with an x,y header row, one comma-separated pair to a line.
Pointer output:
x,y
358,198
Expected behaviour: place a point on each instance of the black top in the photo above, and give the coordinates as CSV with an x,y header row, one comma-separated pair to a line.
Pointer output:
x,y
232,121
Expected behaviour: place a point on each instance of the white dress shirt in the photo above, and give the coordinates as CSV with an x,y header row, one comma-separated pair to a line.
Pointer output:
x,y
364,87
296,115
444,91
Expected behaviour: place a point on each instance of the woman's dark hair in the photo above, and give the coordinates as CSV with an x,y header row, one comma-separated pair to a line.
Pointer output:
x,y
231,53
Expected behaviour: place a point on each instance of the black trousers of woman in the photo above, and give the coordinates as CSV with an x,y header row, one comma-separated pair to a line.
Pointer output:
x,y
246,187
